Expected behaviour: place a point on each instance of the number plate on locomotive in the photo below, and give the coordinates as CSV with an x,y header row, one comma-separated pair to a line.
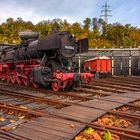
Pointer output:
x,y
69,47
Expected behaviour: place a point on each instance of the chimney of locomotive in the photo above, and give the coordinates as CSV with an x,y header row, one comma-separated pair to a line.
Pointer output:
x,y
28,36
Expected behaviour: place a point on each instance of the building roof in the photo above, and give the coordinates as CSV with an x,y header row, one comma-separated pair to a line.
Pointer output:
x,y
95,58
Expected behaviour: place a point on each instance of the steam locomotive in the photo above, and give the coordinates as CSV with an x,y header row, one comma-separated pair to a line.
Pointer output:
x,y
43,61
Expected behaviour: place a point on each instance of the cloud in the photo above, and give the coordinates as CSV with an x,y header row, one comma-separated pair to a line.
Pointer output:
x,y
36,10
126,12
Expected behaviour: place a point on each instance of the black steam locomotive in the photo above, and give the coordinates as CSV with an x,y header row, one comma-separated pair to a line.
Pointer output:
x,y
45,61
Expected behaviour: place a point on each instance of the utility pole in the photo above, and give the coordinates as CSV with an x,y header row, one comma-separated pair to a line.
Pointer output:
x,y
106,12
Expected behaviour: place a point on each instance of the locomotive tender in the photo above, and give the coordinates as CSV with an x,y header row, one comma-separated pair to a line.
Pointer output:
x,y
45,61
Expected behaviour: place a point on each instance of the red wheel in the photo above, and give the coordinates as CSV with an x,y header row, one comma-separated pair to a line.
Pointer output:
x,y
19,81
3,77
55,85
35,85
88,80
7,78
13,79
26,82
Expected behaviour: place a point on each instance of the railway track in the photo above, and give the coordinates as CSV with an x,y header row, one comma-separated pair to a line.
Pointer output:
x,y
45,103
126,133
9,136
48,101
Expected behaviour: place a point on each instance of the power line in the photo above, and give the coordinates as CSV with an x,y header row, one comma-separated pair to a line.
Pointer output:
x,y
106,12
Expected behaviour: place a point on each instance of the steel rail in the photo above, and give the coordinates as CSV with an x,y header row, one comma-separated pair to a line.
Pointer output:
x,y
44,100
11,136
115,83
117,128
40,99
18,108
114,86
89,124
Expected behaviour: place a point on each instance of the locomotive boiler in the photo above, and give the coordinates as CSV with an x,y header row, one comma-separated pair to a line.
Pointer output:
x,y
43,61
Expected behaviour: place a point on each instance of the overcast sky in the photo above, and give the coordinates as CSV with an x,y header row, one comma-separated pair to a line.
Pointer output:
x,y
123,11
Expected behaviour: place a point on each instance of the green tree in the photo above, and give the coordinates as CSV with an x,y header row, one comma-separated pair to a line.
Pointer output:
x,y
87,23
76,29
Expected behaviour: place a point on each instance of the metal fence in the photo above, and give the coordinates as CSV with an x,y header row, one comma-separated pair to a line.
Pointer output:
x,y
124,61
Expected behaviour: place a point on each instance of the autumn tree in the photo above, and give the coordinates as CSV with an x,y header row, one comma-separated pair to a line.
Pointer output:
x,y
98,33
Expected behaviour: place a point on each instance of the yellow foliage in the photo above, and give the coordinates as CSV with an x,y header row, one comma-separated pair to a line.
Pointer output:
x,y
89,130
